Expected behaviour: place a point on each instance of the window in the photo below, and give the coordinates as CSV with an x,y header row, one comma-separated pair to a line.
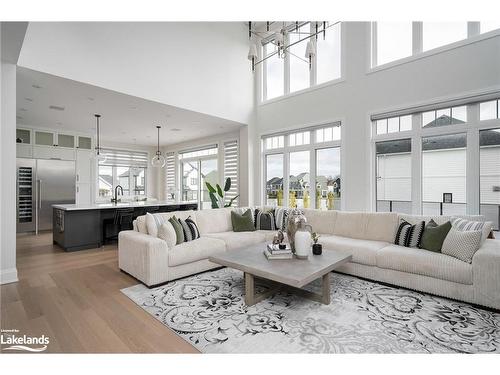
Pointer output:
x,y
198,167
328,52
271,143
489,26
299,65
274,79
274,180
489,184
298,181
231,169
488,110
299,139
393,124
437,34
124,168
393,176
446,116
328,178
325,65
315,151
170,190
393,41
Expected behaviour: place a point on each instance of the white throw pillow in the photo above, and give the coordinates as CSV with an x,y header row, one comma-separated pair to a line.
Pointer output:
x,y
141,224
166,232
134,226
467,225
462,244
153,222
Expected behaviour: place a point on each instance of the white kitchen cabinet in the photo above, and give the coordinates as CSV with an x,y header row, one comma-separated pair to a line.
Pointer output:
x,y
53,152
84,193
83,166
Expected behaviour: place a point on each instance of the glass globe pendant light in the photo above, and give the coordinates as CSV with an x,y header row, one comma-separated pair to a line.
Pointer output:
x,y
158,160
98,155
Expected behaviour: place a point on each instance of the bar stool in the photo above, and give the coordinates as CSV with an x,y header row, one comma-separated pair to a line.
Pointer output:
x,y
122,221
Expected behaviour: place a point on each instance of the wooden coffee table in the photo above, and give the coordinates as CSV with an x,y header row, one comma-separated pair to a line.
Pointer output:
x,y
291,274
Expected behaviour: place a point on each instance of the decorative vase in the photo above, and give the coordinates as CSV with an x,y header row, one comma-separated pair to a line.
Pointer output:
x,y
317,249
303,240
295,217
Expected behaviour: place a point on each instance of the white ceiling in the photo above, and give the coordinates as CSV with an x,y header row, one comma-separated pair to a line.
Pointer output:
x,y
125,119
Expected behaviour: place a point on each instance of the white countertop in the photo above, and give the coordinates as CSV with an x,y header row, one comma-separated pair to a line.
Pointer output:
x,y
103,206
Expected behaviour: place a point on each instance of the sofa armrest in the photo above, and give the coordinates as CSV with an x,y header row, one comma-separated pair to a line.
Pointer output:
x,y
143,256
486,274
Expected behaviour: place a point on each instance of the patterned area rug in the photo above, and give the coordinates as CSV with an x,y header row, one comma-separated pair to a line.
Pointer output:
x,y
208,311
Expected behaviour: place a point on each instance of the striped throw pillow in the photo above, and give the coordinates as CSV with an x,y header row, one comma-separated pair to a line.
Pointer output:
x,y
195,233
153,223
464,225
188,236
264,220
409,235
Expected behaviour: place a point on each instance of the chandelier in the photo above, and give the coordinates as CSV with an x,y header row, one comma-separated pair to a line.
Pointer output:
x,y
280,38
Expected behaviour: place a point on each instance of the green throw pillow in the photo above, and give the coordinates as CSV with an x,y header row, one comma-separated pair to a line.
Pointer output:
x,y
242,223
179,232
434,236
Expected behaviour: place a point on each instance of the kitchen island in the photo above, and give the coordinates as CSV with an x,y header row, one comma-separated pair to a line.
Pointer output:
x,y
80,227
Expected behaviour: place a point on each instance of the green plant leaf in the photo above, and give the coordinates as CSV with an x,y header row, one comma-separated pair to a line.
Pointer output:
x,y
210,187
213,198
230,203
227,186
219,191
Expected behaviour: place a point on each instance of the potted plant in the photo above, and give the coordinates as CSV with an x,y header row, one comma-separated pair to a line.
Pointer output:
x,y
317,247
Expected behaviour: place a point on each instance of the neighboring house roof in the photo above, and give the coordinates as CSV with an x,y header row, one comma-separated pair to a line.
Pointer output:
x,y
106,179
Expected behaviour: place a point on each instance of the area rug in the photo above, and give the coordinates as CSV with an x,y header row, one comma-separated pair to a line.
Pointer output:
x,y
208,311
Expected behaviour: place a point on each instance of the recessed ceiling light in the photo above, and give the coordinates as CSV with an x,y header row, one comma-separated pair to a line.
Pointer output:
x,y
56,108
36,86
28,99
90,98
175,130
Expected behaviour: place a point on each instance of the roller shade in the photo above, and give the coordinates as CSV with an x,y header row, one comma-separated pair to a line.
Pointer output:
x,y
125,158
170,177
231,169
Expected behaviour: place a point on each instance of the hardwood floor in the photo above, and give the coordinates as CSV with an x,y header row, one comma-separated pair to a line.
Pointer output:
x,y
75,299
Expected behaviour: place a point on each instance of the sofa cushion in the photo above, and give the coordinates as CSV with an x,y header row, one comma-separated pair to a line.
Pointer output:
x,y
425,263
409,235
167,234
214,220
179,232
470,225
242,222
154,221
376,226
195,250
321,221
236,240
462,244
434,235
141,224
264,220
362,251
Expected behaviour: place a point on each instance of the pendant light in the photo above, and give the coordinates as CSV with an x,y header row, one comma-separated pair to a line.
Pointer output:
x,y
158,160
99,156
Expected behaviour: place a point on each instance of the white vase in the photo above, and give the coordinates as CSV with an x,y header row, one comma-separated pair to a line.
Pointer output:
x,y
302,243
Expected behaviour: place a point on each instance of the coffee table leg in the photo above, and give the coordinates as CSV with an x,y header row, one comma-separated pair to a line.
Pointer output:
x,y
325,286
249,289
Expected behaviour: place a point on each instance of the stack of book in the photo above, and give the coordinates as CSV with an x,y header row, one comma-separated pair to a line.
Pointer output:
x,y
274,252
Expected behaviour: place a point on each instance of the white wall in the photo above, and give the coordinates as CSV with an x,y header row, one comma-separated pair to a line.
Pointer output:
x,y
8,271
470,68
198,66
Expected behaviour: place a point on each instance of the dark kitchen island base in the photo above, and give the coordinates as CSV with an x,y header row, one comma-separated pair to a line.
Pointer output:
x,y
83,228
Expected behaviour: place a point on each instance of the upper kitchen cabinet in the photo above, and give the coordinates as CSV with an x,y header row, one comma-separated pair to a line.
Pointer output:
x,y
84,143
23,143
65,140
43,138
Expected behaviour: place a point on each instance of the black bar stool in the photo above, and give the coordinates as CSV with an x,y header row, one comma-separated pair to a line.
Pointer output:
x,y
122,221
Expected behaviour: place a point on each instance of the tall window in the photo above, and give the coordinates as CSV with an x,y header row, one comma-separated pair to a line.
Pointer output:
x,y
489,153
393,175
198,167
437,34
487,26
125,168
274,79
393,41
299,160
325,65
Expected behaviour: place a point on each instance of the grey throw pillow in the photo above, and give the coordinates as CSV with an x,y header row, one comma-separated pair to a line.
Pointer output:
x,y
462,245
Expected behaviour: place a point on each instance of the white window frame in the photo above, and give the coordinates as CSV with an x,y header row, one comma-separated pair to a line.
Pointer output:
x,y
313,85
471,128
286,150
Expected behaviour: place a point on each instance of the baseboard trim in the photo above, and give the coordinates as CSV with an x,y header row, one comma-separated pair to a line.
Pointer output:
x,y
8,276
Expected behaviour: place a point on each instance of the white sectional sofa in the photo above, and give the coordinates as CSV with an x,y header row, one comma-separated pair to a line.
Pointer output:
x,y
369,237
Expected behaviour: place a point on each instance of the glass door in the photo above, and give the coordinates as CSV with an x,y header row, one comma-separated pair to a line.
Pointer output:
x,y
195,173
208,174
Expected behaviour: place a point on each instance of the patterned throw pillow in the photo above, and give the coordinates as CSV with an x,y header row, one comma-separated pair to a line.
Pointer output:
x,y
188,236
466,225
264,220
409,235
195,233
280,217
153,223
462,245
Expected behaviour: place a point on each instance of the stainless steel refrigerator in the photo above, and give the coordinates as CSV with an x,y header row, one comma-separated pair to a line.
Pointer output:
x,y
40,184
